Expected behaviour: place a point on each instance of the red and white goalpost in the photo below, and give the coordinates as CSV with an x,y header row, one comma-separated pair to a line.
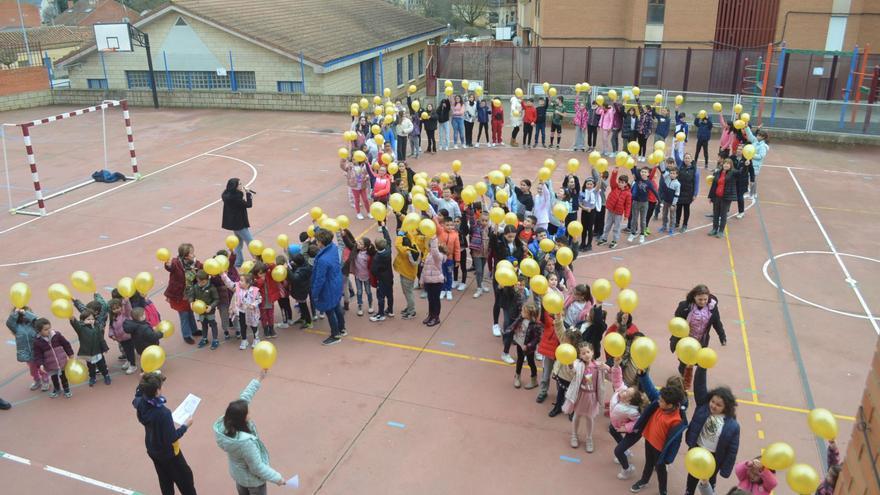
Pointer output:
x,y
40,200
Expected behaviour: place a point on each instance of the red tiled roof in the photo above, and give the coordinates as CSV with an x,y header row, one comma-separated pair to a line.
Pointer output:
x,y
9,18
89,12
47,37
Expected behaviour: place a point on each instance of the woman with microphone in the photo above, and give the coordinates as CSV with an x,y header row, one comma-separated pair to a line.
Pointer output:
x,y
236,201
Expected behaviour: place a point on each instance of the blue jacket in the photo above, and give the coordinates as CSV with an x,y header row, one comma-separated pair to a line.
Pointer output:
x,y
24,333
662,129
483,114
761,149
159,431
673,440
390,137
704,129
641,187
327,279
728,442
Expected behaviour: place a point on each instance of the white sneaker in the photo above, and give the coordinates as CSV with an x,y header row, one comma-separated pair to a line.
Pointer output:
x,y
283,324
478,292
244,345
449,295
496,330
641,239
360,216
255,342
627,473
539,357
507,359
455,147
630,238
124,368
370,215
462,287
130,370
740,215
424,295
477,145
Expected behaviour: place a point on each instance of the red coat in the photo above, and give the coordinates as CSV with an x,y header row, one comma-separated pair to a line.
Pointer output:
x,y
176,290
619,202
531,114
269,289
549,340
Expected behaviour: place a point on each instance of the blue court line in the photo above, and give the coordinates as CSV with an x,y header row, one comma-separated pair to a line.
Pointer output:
x,y
569,459
447,343
395,424
23,274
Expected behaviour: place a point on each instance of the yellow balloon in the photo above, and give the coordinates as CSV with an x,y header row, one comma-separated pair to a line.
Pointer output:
x,y
745,117
601,289
496,177
268,255
544,174
614,344
778,456
468,195
478,91
327,224
680,136
481,188
344,222
62,308
707,358
620,158
211,266
803,479
564,256
643,351
529,267
700,463
343,153
600,100
739,124
658,154
505,169
378,211
413,88
501,197
231,243
601,165
553,302
822,423
612,94
538,284
659,145
354,109
82,281
388,119
199,307
456,165
76,371
518,92
717,106
283,241
166,328
560,210
396,202
279,273
364,103
57,291
428,228
552,92
222,259
19,294
585,86
449,91
256,247
636,90
687,349
511,219
386,92
411,222
379,139
420,202
749,151
505,277
630,162
504,265
566,354
658,99
496,215
578,87
550,163
737,108
416,106
679,327
547,245
709,179
248,265
573,165
633,147
496,103
575,229
679,99
163,255
594,157
622,277
152,358
627,300
125,286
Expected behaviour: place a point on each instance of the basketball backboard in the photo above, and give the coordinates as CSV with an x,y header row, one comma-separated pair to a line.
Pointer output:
x,y
115,37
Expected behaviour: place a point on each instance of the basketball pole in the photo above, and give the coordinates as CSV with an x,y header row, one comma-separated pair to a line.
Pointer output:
x,y
150,68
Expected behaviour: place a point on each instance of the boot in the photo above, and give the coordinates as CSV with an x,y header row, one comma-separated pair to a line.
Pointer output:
x,y
516,382
557,409
532,384
688,378
513,142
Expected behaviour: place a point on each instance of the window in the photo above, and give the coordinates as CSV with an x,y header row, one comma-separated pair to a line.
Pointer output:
x,y
140,79
409,67
290,87
400,71
368,77
421,62
650,65
97,83
656,11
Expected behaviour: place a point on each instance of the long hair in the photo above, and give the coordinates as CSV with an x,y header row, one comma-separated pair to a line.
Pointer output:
x,y
235,419
728,398
697,291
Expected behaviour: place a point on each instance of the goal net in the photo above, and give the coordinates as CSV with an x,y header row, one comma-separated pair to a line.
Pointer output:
x,y
69,148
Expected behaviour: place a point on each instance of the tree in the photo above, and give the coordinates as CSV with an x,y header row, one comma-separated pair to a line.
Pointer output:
x,y
470,11
8,57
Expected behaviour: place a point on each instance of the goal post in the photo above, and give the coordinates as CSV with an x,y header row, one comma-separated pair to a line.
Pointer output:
x,y
27,127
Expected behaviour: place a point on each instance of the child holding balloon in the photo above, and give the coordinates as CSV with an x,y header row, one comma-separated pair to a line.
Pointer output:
x,y
584,395
246,305
754,478
563,373
92,345
21,323
142,334
51,352
205,292
525,333
618,207
120,310
625,408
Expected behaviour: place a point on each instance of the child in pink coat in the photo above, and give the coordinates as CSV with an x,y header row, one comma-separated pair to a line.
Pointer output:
x,y
584,395
754,477
245,304
625,408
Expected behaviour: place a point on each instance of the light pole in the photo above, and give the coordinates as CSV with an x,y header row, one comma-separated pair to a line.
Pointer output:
x,y
24,32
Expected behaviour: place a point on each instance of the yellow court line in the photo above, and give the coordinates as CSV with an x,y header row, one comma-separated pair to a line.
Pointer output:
x,y
742,319
827,208
502,363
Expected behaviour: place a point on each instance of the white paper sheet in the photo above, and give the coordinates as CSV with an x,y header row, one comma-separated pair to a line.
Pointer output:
x,y
186,409
292,482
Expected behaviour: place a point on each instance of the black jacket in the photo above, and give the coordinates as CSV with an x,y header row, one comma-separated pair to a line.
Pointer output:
x,y
381,266
159,430
687,178
443,111
142,334
729,182
300,279
682,311
430,125
235,205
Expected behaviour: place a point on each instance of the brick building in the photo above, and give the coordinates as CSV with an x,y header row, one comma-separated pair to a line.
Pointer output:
x,y
88,12
10,18
802,24
331,47
861,463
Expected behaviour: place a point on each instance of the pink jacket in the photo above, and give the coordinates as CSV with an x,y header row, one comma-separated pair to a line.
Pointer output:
x,y
245,301
623,416
606,122
116,332
432,271
355,175
581,113
570,283
767,484
458,110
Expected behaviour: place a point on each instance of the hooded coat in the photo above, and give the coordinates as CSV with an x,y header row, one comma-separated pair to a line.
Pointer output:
x,y
235,205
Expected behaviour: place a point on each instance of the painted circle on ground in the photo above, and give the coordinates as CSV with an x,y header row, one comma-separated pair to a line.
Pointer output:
x,y
806,301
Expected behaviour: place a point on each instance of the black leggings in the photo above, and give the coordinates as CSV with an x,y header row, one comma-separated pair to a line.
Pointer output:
x,y
527,133
515,132
679,208
432,142
600,222
484,128
643,143
286,310
99,366
433,290
692,482
652,456
128,350
463,266
720,207
741,189
496,306
243,328
624,443
401,148
704,145
304,312
588,220
521,355
592,132
55,378
651,208
468,133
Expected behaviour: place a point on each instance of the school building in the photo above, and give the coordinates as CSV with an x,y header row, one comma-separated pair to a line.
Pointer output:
x,y
317,47
831,25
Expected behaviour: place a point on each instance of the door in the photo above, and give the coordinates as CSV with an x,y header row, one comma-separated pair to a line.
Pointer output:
x,y
368,77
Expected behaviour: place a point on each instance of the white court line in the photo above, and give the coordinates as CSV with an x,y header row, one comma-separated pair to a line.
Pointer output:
x,y
15,458
297,219
126,183
823,170
853,283
90,481
141,236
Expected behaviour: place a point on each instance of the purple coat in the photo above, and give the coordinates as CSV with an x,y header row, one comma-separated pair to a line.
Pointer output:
x,y
52,353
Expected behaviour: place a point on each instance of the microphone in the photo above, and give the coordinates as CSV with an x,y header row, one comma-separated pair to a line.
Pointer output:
x,y
252,191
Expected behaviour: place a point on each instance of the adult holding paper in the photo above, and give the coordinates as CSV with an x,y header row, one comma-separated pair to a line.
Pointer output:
x,y
237,435
161,436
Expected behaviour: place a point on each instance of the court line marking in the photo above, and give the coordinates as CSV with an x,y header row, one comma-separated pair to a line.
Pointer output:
x,y
126,183
806,169
853,283
827,208
146,234
68,474
742,319
808,302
